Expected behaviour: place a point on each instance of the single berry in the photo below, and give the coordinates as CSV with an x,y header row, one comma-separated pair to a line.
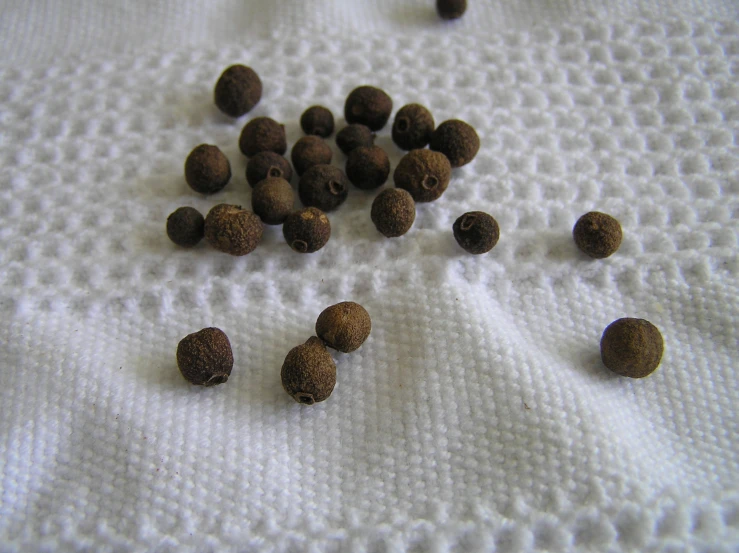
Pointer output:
x,y
451,9
477,232
205,357
597,234
306,230
632,347
309,151
368,106
207,169
323,186
185,227
262,134
317,120
393,212
309,373
233,230
272,200
423,173
238,90
354,136
368,167
457,140
413,127
344,326
267,164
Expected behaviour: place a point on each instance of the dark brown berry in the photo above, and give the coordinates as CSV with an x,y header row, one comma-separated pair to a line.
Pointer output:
x,y
238,90
262,134
369,106
307,230
354,136
632,347
205,357
267,164
310,151
323,186
368,167
185,227
393,212
344,326
451,9
477,232
207,169
423,173
233,230
309,373
272,200
597,234
317,120
413,127
457,140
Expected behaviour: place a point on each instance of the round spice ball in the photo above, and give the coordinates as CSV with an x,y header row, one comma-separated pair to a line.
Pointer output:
x,y
238,90
323,186
308,373
317,120
230,229
205,357
207,169
597,234
354,136
368,167
307,230
344,326
185,227
272,200
423,173
477,232
451,9
457,140
393,212
310,151
413,127
262,134
631,347
267,164
368,106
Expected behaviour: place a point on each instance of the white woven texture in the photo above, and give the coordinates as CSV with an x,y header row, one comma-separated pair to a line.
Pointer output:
x,y
478,416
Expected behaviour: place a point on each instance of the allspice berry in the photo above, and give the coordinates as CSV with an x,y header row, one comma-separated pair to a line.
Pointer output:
x,y
238,90
477,232
186,227
267,164
317,120
205,357
233,230
393,212
272,200
413,127
354,136
368,167
309,373
344,326
597,234
423,173
457,140
207,169
306,230
262,134
368,106
309,151
451,9
632,347
323,186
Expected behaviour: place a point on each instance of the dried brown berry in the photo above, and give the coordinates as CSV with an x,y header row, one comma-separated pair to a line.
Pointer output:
x,y
185,227
310,151
317,120
262,134
368,167
423,173
344,326
267,164
413,127
207,169
273,199
230,229
323,186
308,373
393,212
632,347
307,230
477,232
451,9
457,140
369,106
597,234
205,357
238,90
354,136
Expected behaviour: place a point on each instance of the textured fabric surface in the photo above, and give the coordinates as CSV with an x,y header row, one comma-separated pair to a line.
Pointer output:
x,y
478,416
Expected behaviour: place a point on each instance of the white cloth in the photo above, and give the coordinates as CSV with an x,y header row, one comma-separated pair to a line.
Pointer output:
x,y
478,416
